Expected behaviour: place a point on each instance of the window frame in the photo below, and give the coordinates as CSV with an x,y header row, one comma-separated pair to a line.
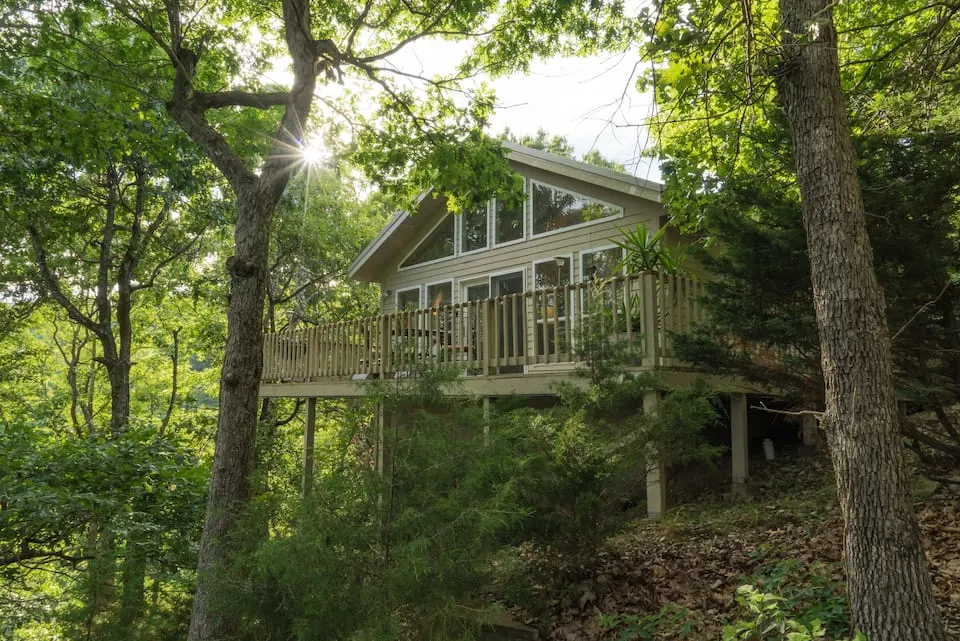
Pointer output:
x,y
401,267
596,250
527,194
540,261
426,289
459,233
463,284
543,234
396,298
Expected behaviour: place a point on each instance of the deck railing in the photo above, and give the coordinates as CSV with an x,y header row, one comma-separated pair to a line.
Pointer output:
x,y
495,335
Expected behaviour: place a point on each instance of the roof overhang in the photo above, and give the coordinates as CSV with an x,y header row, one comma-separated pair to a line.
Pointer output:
x,y
404,227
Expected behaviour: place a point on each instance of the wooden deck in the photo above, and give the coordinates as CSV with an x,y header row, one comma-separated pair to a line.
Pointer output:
x,y
519,343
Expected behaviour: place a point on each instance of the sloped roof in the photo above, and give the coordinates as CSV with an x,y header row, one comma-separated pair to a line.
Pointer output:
x,y
404,228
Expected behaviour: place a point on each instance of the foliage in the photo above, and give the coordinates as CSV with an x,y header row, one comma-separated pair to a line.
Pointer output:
x,y
368,556
585,460
53,489
672,620
321,226
644,251
768,620
760,294
409,536
729,175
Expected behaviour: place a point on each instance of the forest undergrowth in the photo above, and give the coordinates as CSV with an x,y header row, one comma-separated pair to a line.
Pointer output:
x,y
678,578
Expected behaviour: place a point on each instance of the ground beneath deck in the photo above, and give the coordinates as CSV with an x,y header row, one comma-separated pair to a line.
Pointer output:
x,y
785,538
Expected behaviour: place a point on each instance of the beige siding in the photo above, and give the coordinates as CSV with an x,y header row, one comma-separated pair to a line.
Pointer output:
x,y
521,255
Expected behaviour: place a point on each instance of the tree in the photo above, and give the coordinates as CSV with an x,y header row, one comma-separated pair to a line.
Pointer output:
x,y
724,61
110,202
759,291
890,589
253,133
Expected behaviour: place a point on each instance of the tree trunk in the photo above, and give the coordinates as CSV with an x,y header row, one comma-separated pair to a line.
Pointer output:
x,y
133,596
891,595
237,422
118,373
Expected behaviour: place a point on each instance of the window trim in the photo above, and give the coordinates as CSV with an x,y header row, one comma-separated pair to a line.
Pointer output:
x,y
533,234
459,234
533,275
463,284
540,261
503,272
426,288
595,250
396,297
401,267
527,194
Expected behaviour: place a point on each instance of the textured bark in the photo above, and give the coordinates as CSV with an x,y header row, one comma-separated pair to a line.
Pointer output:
x,y
257,196
891,595
236,427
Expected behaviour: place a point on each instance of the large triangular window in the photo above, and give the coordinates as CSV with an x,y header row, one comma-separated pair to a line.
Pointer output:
x,y
437,245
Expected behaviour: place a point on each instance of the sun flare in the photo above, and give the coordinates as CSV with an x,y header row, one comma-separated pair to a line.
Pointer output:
x,y
312,152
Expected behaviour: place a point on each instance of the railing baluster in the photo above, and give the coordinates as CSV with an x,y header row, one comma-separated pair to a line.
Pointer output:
x,y
544,327
534,327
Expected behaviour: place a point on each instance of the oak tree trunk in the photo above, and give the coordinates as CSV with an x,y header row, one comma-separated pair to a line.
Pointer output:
x,y
891,595
236,426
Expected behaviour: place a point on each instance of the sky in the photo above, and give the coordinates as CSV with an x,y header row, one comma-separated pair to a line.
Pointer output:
x,y
593,102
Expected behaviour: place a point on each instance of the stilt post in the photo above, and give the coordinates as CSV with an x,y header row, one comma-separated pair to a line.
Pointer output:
x,y
656,470
309,428
739,440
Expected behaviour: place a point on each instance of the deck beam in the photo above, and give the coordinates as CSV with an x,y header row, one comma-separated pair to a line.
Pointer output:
x,y
531,383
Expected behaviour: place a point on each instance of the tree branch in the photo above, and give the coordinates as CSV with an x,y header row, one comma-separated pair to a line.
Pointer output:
x,y
238,98
175,364
53,285
819,415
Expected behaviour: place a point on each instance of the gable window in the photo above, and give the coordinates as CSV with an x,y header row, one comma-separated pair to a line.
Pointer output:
x,y
507,222
408,299
600,264
473,230
438,244
554,208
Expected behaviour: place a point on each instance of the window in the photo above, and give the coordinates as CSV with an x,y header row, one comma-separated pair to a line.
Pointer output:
x,y
480,291
408,299
439,244
548,275
440,294
600,264
555,209
473,230
553,273
508,222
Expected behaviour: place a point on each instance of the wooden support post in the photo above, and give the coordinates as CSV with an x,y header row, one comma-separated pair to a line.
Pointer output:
x,y
381,427
656,470
309,427
811,433
739,440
